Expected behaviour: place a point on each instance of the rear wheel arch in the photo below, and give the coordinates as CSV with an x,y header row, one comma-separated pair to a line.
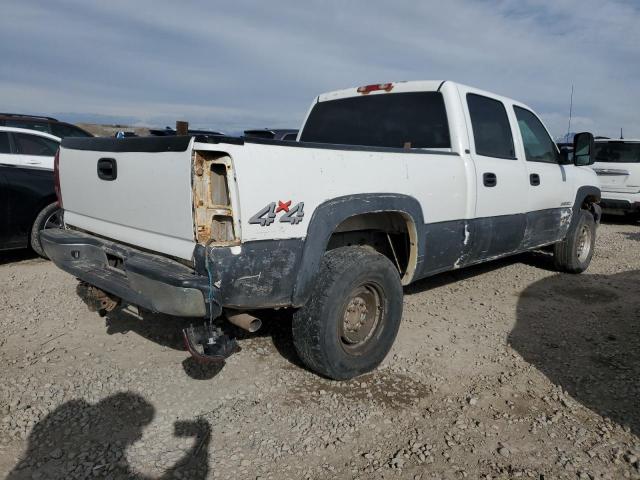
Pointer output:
x,y
343,213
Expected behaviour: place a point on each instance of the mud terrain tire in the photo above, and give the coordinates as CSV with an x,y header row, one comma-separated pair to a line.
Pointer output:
x,y
352,317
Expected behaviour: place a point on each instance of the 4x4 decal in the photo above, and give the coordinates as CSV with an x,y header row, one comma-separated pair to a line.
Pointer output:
x,y
267,215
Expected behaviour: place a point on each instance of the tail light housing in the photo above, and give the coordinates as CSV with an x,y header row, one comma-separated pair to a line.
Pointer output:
x,y
56,177
387,87
215,222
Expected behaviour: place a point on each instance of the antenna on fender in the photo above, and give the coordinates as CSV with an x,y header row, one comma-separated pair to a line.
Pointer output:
x,y
621,137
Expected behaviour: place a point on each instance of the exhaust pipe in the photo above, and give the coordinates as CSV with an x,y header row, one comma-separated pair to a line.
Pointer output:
x,y
244,320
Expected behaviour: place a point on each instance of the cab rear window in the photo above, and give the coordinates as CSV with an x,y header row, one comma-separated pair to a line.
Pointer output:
x,y
395,120
617,152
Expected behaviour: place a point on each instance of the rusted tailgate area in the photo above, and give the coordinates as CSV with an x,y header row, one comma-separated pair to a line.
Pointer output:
x,y
215,222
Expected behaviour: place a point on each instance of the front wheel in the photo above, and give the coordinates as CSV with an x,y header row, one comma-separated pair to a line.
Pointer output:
x,y
352,317
49,217
573,254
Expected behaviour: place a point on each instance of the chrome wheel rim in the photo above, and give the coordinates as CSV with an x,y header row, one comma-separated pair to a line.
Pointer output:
x,y
361,317
584,243
54,220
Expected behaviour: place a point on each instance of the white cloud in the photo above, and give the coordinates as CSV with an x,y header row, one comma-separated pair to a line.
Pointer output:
x,y
257,64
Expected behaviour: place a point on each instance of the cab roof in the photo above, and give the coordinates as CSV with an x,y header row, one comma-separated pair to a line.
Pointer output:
x,y
410,86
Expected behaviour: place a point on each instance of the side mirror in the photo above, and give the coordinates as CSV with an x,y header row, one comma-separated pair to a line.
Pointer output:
x,y
583,147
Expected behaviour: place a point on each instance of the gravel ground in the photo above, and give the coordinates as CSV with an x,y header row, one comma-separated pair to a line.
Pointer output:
x,y
506,370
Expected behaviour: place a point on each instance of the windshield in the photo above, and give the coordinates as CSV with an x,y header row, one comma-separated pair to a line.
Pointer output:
x,y
617,152
399,120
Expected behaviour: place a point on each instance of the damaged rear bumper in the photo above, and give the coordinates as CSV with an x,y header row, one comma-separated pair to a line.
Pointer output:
x,y
140,278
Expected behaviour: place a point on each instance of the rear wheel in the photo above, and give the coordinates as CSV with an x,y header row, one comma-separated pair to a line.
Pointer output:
x,y
352,317
574,253
49,217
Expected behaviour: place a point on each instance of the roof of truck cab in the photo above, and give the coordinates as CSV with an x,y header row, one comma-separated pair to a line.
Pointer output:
x,y
413,86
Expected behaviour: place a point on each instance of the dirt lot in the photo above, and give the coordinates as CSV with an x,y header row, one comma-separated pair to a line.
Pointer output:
x,y
507,370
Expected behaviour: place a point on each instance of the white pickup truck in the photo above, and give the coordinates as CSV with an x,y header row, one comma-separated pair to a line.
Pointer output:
x,y
617,163
386,185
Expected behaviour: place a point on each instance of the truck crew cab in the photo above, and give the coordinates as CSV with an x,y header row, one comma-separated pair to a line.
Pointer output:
x,y
388,184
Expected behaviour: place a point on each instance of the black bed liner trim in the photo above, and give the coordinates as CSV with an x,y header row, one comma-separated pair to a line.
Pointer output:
x,y
134,144
322,146
181,143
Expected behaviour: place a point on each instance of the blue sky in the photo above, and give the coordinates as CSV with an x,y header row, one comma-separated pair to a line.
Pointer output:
x,y
241,64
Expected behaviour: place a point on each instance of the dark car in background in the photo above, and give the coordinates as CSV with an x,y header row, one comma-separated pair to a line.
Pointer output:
x,y
27,205
43,124
168,132
288,134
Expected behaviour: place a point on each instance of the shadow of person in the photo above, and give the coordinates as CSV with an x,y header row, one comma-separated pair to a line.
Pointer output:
x,y
81,440
582,332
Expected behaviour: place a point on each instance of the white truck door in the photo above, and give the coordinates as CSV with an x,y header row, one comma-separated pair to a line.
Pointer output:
x,y
549,193
501,178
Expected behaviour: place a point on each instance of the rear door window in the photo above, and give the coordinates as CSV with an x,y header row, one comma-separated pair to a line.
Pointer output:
x,y
34,145
538,146
395,120
5,146
617,152
491,130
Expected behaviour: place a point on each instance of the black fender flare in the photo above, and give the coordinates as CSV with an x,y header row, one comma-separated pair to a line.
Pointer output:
x,y
326,218
582,193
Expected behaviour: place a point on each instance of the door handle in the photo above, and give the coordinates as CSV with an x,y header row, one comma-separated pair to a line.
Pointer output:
x,y
107,169
489,179
534,179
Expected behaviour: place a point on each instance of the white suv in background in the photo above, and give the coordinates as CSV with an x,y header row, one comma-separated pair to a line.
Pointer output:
x,y
30,148
617,163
